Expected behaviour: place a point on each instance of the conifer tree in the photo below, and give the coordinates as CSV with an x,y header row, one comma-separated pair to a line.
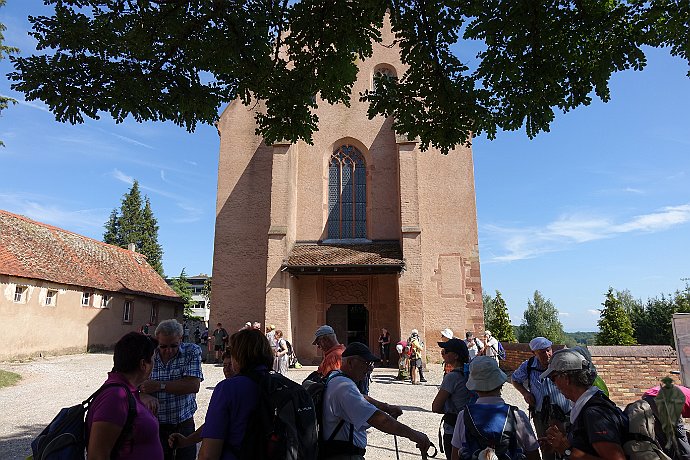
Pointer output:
x,y
149,238
500,325
135,223
488,305
111,229
184,290
614,323
541,320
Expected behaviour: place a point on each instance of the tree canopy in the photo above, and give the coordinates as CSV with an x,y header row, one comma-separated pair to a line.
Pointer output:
x,y
182,60
615,327
5,51
540,319
184,290
499,320
135,223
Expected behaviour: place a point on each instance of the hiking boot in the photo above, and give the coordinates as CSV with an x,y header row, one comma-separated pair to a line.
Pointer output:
x,y
422,380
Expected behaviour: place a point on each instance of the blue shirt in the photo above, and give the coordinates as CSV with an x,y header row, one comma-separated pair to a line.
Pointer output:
x,y
540,387
172,408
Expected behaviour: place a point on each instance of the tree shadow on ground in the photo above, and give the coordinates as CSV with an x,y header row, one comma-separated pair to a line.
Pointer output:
x,y
18,444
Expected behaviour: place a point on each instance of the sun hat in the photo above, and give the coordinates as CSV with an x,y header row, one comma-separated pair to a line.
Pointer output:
x,y
487,333
447,333
485,374
272,326
458,347
539,343
321,331
361,350
414,332
565,360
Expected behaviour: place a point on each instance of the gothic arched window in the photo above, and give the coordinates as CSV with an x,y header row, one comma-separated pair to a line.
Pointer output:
x,y
347,194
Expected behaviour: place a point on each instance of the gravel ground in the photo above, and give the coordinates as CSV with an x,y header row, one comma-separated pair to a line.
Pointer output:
x,y
52,383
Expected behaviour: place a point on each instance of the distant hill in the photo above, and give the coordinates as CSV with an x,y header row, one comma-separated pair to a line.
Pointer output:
x,y
580,338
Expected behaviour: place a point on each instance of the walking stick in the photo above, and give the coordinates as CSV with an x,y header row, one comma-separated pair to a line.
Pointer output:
x,y
397,454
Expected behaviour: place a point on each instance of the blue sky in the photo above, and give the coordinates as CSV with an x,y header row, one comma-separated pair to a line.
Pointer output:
x,y
602,200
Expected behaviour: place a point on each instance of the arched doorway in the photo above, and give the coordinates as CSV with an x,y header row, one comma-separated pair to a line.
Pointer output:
x,y
350,322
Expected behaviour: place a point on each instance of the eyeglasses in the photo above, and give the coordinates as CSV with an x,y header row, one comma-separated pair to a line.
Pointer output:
x,y
173,345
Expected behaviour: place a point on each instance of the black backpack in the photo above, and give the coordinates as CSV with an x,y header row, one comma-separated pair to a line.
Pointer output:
x,y
65,437
315,384
283,425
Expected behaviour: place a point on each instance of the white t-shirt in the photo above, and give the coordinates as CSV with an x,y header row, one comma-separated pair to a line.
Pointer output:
x,y
492,348
473,346
342,400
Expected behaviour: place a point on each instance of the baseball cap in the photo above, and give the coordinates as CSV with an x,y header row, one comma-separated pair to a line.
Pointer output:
x,y
361,350
565,360
458,347
485,375
539,343
447,333
321,331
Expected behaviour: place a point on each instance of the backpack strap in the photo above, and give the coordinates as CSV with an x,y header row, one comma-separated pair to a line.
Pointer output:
x,y
126,432
530,362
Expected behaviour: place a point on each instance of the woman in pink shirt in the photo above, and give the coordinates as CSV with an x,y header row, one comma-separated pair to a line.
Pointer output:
x,y
107,415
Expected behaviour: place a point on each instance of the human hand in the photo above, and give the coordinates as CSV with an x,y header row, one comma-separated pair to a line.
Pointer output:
x,y
422,442
150,402
530,399
393,411
177,440
557,439
150,386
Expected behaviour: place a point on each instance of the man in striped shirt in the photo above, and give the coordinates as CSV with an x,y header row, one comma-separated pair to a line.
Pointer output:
x,y
546,403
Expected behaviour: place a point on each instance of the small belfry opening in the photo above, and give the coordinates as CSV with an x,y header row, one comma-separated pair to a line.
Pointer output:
x,y
347,194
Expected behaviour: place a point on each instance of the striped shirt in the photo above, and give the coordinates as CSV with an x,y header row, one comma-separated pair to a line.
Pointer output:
x,y
174,409
540,387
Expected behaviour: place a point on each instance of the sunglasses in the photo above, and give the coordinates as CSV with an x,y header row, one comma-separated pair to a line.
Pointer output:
x,y
174,345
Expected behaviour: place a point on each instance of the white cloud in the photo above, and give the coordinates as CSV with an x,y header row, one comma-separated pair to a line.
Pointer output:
x,y
572,229
132,141
593,312
636,191
34,105
162,175
563,313
122,177
33,206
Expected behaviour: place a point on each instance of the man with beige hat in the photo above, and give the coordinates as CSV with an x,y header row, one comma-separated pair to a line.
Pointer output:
x,y
490,421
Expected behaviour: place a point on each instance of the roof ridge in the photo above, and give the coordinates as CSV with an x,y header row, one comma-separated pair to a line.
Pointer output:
x,y
60,229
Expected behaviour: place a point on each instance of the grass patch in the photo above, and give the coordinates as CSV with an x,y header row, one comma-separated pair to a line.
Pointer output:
x,y
8,379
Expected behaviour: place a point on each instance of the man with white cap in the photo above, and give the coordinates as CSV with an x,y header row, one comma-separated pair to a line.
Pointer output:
x,y
326,340
546,403
347,414
416,365
490,421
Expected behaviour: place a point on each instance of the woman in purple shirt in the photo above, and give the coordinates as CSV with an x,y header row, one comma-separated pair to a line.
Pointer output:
x,y
108,412
234,399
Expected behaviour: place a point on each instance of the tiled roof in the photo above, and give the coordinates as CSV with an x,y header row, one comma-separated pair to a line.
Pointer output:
x,y
31,249
345,255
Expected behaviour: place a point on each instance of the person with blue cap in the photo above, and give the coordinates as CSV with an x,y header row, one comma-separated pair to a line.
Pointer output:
x,y
546,403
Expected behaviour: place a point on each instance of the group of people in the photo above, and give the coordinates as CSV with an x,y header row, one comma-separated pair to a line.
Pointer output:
x,y
571,412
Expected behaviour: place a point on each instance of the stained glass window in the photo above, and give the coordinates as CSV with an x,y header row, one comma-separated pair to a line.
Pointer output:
x,y
347,194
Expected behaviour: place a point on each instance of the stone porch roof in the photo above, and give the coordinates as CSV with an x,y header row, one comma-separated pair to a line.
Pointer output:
x,y
345,258
30,249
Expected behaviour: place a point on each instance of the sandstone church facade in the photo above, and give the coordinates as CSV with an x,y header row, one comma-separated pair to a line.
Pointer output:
x,y
361,230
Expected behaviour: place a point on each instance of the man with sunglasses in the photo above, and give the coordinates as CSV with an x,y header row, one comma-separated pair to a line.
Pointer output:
x,y
175,381
347,413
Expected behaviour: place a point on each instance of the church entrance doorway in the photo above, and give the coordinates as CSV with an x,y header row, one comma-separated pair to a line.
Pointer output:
x,y
350,322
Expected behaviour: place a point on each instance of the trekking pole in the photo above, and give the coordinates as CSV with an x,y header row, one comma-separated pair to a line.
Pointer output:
x,y
426,454
397,454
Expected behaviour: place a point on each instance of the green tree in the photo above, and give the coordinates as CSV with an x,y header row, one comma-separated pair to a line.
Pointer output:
x,y
614,323
653,322
500,324
5,51
184,290
135,223
149,238
488,305
112,229
540,319
206,292
151,60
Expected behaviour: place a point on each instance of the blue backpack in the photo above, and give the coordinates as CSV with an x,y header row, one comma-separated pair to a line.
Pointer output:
x,y
65,437
491,426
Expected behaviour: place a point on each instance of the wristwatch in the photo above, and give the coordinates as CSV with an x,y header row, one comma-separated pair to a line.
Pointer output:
x,y
163,389
567,452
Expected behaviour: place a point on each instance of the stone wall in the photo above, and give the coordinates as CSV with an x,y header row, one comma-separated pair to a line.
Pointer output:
x,y
627,370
